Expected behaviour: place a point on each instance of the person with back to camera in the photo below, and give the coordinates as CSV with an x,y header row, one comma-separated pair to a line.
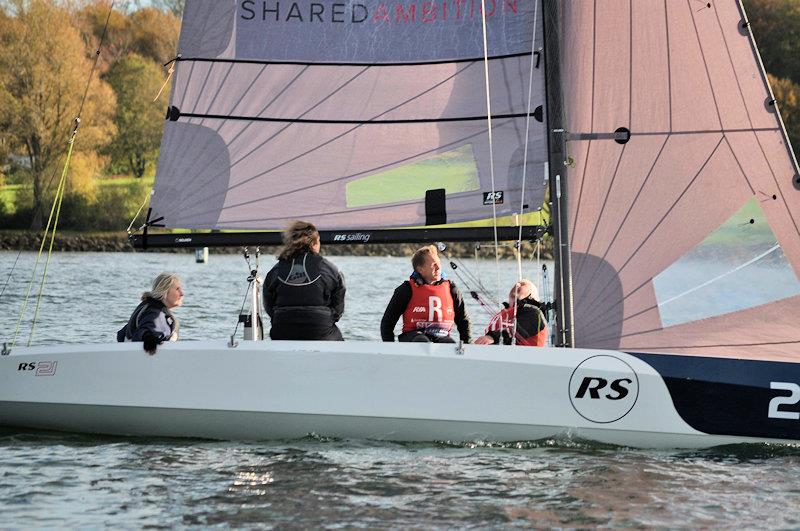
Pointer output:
x,y
152,321
531,325
429,304
304,292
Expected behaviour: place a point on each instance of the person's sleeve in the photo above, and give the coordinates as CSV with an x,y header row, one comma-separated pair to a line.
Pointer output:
x,y
493,329
337,297
542,321
397,305
495,335
269,293
461,315
147,326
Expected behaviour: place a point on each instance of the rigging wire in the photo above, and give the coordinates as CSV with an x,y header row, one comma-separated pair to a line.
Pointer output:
x,y
518,247
467,278
55,210
491,145
11,272
527,129
241,311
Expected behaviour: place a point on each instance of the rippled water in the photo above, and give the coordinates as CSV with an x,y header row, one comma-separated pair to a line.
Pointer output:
x,y
74,481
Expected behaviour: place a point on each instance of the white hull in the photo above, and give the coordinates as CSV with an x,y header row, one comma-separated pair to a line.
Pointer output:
x,y
388,391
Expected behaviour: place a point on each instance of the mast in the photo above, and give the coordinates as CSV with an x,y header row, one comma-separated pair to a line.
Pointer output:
x,y
565,330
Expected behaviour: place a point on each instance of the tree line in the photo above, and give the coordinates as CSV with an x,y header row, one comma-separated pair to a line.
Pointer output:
x,y
48,48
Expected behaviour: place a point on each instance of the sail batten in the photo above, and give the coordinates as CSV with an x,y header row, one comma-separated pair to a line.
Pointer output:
x,y
356,122
335,64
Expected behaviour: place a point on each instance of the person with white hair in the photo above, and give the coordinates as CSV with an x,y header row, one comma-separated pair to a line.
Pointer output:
x,y
152,321
522,319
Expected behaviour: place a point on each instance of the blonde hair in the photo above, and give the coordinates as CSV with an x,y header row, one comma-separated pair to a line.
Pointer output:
x,y
161,285
421,254
300,236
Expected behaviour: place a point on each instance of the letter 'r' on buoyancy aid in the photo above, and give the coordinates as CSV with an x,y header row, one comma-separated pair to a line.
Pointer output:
x,y
430,309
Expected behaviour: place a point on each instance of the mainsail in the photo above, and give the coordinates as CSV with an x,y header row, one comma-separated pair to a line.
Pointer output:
x,y
684,192
355,115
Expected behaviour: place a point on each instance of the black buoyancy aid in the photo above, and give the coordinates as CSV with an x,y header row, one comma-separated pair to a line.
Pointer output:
x,y
127,332
431,309
300,282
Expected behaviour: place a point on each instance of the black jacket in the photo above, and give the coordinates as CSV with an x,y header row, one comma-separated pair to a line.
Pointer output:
x,y
143,322
304,294
400,299
530,321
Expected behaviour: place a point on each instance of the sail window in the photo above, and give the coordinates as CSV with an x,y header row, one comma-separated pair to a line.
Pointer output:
x,y
738,266
455,171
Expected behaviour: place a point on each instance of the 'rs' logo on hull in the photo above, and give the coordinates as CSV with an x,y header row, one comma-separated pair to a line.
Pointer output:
x,y
603,389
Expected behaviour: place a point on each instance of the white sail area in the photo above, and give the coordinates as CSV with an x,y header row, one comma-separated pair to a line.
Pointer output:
x,y
685,238
349,114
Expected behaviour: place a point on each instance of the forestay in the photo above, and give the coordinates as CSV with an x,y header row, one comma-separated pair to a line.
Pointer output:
x,y
350,113
684,237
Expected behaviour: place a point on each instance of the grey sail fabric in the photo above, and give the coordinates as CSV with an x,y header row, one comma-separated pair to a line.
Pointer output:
x,y
347,113
679,233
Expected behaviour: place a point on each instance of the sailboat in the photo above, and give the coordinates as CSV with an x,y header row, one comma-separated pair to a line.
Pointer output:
x,y
670,184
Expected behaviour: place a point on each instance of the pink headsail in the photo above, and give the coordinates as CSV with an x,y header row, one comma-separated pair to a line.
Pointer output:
x,y
703,193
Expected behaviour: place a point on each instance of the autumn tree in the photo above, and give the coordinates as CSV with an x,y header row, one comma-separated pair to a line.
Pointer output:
x,y
173,6
154,34
139,120
44,67
776,27
147,31
788,96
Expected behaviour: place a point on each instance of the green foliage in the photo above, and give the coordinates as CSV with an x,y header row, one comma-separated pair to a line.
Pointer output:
x,y
112,206
776,27
154,34
139,120
788,96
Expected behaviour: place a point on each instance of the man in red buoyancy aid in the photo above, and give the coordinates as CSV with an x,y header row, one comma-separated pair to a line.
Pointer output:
x,y
429,305
522,319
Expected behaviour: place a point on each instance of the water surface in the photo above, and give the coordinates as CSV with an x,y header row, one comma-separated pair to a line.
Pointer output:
x,y
75,481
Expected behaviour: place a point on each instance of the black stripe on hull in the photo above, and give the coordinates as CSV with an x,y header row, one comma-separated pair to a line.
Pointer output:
x,y
723,396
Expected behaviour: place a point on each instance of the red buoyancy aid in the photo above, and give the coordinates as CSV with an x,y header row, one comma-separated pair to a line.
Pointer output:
x,y
504,321
430,309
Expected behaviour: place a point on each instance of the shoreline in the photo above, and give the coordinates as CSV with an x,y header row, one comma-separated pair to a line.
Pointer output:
x,y
118,242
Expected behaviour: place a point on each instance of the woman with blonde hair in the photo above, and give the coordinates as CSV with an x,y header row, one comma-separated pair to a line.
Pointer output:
x,y
152,321
304,292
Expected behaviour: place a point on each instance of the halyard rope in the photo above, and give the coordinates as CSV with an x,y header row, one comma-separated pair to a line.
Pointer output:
x,y
491,150
525,168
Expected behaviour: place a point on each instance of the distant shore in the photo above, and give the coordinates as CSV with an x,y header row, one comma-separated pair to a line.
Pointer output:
x,y
118,242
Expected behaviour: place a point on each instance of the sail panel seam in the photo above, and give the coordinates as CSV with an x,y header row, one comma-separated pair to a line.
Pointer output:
x,y
705,63
330,181
256,148
666,214
602,211
631,207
